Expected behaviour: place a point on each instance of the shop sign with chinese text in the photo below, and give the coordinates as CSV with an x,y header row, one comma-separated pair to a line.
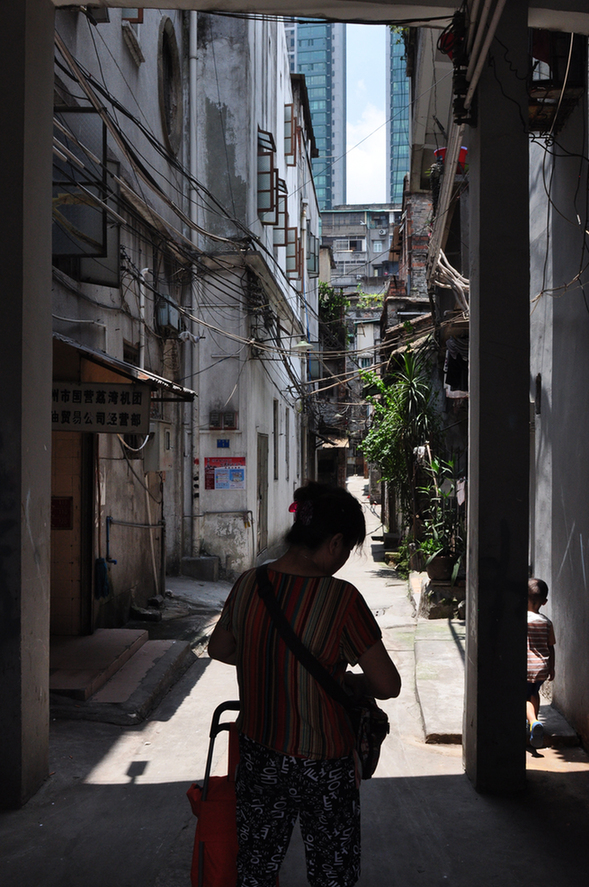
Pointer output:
x,y
97,407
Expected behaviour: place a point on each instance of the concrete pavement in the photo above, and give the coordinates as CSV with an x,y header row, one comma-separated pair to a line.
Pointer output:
x,y
114,812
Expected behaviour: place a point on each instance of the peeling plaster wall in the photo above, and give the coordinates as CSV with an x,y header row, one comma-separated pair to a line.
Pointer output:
x,y
244,84
225,127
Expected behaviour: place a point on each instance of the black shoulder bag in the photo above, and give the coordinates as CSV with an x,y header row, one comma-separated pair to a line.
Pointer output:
x,y
369,722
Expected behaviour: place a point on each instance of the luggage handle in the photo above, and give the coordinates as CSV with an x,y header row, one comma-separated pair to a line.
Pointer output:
x,y
216,728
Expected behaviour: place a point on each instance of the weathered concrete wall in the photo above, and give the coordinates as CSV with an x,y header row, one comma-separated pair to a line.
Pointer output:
x,y
412,268
134,498
136,86
225,128
110,318
244,84
248,381
560,327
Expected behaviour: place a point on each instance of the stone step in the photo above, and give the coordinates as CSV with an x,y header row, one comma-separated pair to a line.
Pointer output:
x,y
205,568
135,689
80,666
557,731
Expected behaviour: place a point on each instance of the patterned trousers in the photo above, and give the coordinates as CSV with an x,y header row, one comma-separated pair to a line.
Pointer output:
x,y
272,790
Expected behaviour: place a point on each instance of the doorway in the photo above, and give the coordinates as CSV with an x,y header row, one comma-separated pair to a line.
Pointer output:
x,y
71,539
262,492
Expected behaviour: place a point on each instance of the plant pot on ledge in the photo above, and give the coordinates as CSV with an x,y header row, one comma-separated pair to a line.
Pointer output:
x,y
440,568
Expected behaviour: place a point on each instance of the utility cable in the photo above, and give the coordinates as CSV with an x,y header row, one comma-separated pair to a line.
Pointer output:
x,y
126,148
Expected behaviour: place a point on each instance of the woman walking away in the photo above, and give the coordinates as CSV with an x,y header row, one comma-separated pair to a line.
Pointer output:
x,y
296,742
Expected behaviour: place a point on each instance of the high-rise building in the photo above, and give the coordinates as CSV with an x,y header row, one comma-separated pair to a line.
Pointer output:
x,y
318,50
397,104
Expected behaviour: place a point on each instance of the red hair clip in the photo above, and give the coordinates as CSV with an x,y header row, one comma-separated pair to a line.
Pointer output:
x,y
293,507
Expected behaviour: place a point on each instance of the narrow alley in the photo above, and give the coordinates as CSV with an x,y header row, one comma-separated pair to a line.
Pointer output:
x,y
114,811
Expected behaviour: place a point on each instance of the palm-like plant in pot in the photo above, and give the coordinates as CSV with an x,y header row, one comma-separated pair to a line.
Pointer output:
x,y
443,526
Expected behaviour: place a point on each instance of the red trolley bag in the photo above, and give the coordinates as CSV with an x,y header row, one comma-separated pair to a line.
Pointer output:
x,y
214,860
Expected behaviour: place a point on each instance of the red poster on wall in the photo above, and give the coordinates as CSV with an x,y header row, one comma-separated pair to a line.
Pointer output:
x,y
225,473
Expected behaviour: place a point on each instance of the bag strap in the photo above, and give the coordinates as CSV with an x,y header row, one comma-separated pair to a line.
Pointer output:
x,y
302,653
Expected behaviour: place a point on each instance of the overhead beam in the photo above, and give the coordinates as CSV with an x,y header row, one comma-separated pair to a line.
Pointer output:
x,y
369,11
568,15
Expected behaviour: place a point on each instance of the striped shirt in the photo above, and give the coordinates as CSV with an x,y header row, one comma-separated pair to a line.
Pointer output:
x,y
540,640
282,705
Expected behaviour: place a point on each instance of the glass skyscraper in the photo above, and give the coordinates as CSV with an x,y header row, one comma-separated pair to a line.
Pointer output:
x,y
398,114
318,50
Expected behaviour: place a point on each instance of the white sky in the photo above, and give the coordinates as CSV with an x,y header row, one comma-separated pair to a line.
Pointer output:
x,y
366,89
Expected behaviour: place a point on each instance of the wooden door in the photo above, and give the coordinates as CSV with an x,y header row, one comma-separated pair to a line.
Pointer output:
x,y
262,492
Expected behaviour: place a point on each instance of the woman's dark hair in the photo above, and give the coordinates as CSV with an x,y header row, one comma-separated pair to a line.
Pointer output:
x,y
321,511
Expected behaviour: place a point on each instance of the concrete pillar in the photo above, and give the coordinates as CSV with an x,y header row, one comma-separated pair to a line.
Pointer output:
x,y
26,97
494,736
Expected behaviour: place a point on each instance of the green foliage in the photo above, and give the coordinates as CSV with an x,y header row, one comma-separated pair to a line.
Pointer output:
x,y
331,300
369,300
333,305
400,32
402,556
405,417
443,524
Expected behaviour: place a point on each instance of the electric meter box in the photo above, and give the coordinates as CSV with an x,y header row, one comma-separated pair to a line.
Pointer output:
x,y
158,454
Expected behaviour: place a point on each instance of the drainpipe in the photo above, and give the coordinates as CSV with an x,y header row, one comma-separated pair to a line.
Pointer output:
x,y
76,320
304,207
309,470
195,469
142,282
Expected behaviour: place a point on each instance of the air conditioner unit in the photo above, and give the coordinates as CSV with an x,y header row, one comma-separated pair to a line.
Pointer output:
x,y
230,420
168,316
215,420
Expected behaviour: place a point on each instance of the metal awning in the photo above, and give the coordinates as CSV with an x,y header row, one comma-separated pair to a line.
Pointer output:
x,y
129,371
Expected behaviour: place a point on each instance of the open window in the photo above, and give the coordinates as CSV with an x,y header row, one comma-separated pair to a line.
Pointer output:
x,y
132,14
279,232
267,179
312,254
79,183
293,253
168,277
290,135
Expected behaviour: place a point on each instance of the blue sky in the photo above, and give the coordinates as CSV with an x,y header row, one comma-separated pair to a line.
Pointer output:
x,y
366,89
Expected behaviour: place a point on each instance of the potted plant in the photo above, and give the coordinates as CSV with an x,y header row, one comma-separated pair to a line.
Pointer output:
x,y
443,542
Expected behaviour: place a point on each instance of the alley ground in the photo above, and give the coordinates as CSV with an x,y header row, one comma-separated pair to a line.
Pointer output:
x,y
114,811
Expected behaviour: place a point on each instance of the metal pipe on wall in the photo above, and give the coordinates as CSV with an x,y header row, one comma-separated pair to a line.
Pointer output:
x,y
141,358
195,467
